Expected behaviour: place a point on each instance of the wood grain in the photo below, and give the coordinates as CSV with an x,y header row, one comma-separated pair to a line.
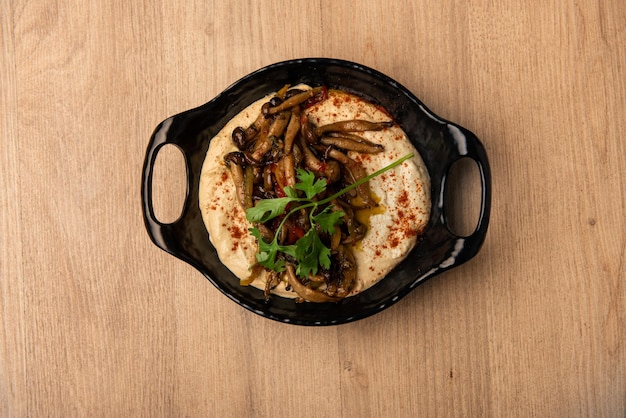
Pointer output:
x,y
96,321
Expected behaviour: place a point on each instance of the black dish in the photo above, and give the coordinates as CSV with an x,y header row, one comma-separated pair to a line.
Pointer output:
x,y
441,143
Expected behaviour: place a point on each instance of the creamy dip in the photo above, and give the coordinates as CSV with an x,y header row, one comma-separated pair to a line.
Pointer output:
x,y
403,194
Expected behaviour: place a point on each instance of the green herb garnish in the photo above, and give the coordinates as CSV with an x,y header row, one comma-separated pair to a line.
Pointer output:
x,y
309,251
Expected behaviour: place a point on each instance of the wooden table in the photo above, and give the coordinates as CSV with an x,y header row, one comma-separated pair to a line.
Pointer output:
x,y
97,321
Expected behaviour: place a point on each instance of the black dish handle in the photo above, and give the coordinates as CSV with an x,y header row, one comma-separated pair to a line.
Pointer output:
x,y
466,247
162,234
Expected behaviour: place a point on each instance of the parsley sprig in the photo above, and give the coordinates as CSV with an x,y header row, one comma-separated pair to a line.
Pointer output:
x,y
309,251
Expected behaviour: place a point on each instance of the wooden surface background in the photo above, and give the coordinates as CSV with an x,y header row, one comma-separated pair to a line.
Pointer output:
x,y
97,321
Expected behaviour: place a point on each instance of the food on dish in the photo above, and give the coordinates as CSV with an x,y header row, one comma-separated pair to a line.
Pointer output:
x,y
313,194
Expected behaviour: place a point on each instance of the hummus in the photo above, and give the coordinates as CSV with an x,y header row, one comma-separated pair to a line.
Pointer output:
x,y
403,195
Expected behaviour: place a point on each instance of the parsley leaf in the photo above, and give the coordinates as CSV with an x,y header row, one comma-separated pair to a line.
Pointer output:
x,y
311,253
327,219
267,209
308,184
267,253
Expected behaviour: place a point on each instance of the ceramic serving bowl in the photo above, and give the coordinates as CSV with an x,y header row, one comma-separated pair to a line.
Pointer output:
x,y
440,143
